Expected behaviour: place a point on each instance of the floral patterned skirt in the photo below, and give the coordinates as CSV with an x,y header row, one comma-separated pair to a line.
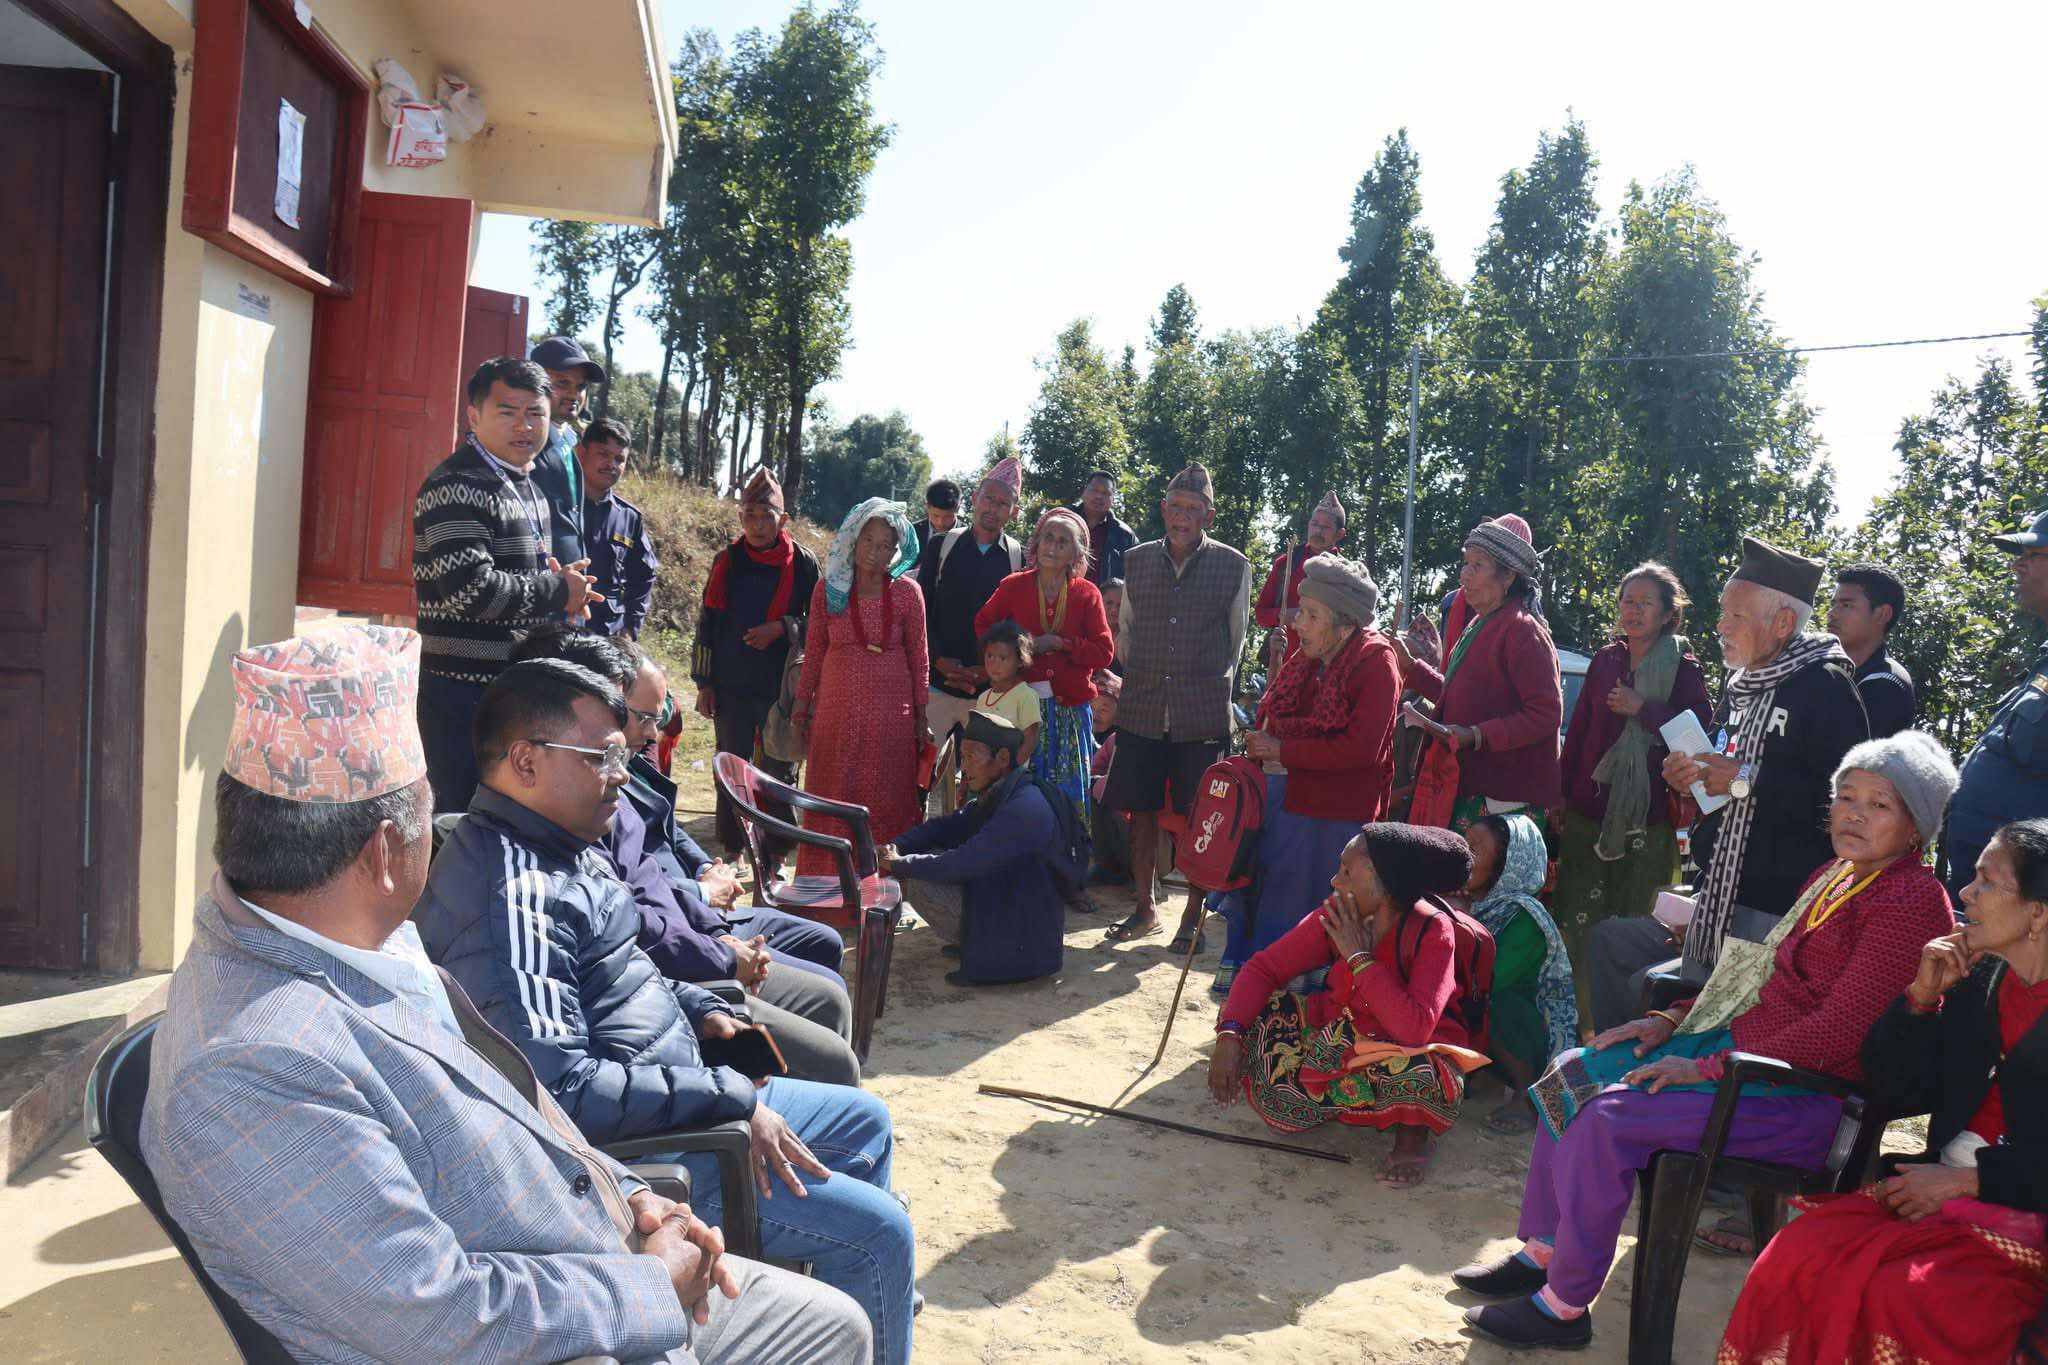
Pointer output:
x,y
1298,1076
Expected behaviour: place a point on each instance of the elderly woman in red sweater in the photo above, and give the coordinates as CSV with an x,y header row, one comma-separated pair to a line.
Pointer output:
x,y
1052,599
1807,996
1381,1044
1493,745
1326,738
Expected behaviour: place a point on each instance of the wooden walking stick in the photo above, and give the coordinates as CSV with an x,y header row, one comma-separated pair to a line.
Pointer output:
x,y
1187,965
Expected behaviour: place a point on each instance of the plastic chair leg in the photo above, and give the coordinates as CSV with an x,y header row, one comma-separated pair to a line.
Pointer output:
x,y
1675,1186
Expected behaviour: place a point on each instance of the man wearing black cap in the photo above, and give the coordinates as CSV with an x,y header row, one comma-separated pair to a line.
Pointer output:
x,y
978,876
2006,775
1791,711
555,473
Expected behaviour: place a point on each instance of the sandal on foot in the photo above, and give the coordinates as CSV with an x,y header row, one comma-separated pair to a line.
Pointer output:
x,y
1418,1164
1130,927
1734,1233
1517,1120
1180,943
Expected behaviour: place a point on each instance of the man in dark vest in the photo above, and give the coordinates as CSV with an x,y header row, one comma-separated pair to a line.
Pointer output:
x,y
958,575
755,602
1868,602
1186,606
2006,775
1791,712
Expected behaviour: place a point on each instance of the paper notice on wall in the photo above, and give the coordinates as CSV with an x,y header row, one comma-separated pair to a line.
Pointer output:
x,y
291,161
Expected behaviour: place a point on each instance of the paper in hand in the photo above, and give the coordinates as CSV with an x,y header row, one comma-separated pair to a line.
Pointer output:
x,y
1683,734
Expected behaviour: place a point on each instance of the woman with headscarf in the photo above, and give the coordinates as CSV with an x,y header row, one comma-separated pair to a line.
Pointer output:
x,y
1946,1261
1380,1044
1052,600
1494,742
860,700
1532,1014
1807,996
1616,843
1326,738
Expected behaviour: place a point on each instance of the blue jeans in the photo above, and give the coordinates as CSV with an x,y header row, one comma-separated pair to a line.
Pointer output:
x,y
850,1228
793,939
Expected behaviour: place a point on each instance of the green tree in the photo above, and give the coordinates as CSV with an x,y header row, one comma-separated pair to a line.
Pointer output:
x,y
1176,400
1392,296
809,99
1076,424
869,457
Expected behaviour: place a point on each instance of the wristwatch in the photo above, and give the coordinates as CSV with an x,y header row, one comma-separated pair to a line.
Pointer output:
x,y
1739,788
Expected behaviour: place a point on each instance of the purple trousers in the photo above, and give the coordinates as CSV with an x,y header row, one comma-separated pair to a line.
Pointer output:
x,y
1579,1187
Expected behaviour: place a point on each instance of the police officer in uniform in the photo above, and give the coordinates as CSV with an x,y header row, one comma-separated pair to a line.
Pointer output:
x,y
615,536
2006,775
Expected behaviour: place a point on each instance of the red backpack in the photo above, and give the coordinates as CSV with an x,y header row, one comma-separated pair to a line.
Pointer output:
x,y
1472,969
1220,847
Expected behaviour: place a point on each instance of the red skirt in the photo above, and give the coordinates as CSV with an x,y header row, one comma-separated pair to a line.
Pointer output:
x,y
1851,1281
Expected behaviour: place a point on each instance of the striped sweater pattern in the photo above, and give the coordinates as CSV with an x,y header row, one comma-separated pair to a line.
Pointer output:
x,y
479,567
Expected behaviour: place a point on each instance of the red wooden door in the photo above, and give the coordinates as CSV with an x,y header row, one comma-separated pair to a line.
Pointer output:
x,y
384,403
53,160
494,324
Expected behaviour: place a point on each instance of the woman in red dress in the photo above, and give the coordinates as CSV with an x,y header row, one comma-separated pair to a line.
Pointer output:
x,y
1947,1261
860,700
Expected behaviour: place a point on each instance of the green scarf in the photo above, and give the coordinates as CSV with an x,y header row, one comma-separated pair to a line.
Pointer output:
x,y
1624,769
1464,645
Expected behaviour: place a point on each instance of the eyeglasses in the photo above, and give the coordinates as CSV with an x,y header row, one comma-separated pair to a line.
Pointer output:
x,y
612,758
655,718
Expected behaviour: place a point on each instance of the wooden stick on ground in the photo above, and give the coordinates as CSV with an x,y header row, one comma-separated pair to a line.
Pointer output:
x,y
1186,966
1112,1112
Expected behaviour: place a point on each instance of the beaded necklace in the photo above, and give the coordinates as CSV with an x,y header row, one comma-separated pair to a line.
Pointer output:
x,y
1827,902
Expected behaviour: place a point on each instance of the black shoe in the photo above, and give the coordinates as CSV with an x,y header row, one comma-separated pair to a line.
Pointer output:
x,y
949,950
1510,1277
1521,1324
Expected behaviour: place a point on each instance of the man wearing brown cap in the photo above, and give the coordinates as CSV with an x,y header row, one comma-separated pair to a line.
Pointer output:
x,y
360,1161
755,602
1280,599
1791,711
1180,630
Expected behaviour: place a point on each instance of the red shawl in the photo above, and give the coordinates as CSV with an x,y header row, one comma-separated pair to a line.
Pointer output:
x,y
1309,698
781,555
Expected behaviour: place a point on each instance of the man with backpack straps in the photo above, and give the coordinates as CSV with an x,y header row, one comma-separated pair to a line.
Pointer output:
x,y
991,878
958,573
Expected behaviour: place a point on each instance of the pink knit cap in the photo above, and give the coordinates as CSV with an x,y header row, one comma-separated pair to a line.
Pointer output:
x,y
328,716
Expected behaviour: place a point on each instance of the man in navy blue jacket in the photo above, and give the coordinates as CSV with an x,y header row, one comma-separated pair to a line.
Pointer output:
x,y
522,909
978,876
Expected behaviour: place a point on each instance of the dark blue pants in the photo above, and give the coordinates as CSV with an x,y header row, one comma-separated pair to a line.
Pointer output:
x,y
446,710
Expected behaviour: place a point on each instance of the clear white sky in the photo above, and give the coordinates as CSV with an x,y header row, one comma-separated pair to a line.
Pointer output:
x,y
1061,159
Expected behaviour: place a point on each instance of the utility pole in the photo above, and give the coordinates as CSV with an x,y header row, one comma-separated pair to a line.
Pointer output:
x,y
1408,518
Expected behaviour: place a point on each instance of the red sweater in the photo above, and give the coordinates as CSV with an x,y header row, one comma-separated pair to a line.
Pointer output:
x,y
1089,644
1594,729
1508,688
1829,985
1410,1010
1346,776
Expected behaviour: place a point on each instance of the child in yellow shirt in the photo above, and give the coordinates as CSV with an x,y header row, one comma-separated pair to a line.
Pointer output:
x,y
1005,654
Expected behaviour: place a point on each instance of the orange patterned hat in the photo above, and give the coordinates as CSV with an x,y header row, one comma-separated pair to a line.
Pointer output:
x,y
328,716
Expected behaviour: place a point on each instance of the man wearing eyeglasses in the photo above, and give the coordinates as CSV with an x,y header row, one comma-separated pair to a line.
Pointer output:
x,y
525,912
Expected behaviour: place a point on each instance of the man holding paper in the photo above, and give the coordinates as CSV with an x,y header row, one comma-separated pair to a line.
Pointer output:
x,y
1791,711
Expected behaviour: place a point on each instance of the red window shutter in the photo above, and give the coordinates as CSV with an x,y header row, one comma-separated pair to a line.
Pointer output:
x,y
494,324
385,401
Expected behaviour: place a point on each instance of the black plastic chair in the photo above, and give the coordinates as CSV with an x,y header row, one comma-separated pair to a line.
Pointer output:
x,y
855,894
1674,1186
114,1095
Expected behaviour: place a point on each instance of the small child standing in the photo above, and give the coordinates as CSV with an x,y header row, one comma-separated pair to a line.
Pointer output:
x,y
1005,654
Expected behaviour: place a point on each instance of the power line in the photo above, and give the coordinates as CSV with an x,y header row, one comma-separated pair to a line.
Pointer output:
x,y
1485,361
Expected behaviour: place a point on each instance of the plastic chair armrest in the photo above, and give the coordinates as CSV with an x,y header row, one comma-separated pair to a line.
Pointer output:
x,y
731,1144
665,1178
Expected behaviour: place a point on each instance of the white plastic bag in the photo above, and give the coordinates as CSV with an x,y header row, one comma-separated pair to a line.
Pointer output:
x,y
418,138
395,86
462,109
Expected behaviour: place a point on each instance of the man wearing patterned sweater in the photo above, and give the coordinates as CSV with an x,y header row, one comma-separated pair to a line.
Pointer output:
x,y
481,569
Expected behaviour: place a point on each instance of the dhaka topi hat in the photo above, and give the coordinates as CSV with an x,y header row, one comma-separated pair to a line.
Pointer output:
x,y
1194,479
328,715
1008,473
1333,507
764,489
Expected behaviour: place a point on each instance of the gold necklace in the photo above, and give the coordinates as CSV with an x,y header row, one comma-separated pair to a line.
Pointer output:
x,y
1823,907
